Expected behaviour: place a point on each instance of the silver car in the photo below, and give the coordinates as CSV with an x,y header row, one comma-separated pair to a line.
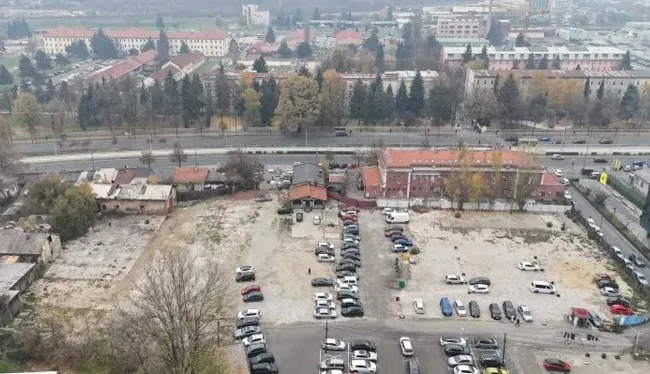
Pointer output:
x,y
525,313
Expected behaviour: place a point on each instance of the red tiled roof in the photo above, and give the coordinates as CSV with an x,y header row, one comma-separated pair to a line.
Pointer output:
x,y
371,176
406,158
135,33
146,57
306,190
550,179
182,60
300,34
190,175
346,34
264,48
162,74
118,70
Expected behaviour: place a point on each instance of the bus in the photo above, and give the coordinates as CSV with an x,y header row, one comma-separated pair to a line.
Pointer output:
x,y
526,142
340,131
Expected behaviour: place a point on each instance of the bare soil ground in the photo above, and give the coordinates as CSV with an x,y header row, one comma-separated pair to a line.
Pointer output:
x,y
491,245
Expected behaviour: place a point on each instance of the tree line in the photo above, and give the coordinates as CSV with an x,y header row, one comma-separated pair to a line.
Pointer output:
x,y
18,29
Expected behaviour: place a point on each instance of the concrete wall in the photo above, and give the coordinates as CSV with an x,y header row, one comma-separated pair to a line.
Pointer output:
x,y
11,309
135,206
51,249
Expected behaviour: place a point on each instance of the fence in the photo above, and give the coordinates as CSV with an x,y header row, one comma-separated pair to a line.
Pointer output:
x,y
627,191
204,194
349,201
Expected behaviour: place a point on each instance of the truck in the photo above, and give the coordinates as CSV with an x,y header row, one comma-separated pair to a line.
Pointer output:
x,y
398,217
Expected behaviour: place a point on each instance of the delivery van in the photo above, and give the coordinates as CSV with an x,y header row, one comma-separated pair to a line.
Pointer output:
x,y
398,217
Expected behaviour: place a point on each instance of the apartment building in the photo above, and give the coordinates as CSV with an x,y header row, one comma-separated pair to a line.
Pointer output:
x,y
615,82
409,173
254,16
560,8
474,27
209,42
571,57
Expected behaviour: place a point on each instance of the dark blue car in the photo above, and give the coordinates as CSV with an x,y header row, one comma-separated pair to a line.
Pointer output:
x,y
544,139
397,237
445,307
403,241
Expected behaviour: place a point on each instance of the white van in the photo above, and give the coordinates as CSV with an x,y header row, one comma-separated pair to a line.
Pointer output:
x,y
398,217
349,279
542,287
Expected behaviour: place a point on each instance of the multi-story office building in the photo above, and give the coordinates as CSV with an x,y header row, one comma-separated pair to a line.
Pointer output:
x,y
254,16
474,27
209,42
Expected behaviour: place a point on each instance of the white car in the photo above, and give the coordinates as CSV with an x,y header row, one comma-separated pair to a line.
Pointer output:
x,y
331,344
465,369
401,248
249,313
316,220
363,366
322,296
525,313
460,360
406,346
564,181
478,288
444,340
557,156
350,240
418,306
322,303
527,265
597,230
324,257
641,279
364,355
332,371
257,338
609,292
628,264
558,172
345,287
454,279
567,195
460,308
387,211
618,251
325,313
245,269
591,222
325,244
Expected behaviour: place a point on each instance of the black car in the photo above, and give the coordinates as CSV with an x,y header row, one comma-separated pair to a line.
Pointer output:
x,y
491,361
324,250
362,345
352,255
618,301
580,141
606,141
264,368
637,261
485,342
348,223
413,366
352,230
600,160
453,349
252,297
348,302
247,321
352,311
346,267
263,358
245,277
512,139
349,245
509,310
345,273
356,263
495,312
255,349
322,282
480,280
351,251
607,283
285,210
474,310
351,236
346,295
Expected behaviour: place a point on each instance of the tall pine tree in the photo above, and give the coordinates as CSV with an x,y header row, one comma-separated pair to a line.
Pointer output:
x,y
356,100
402,99
163,48
601,90
416,94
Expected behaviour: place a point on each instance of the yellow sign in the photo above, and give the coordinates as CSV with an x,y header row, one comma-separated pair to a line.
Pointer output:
x,y
603,178
616,165
405,256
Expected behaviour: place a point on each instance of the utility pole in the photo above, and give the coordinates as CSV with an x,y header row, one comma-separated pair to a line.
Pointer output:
x,y
218,332
503,353
327,329
584,160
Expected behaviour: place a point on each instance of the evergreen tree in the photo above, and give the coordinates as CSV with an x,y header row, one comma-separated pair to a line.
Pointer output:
x,y
543,63
586,92
233,51
440,104
222,92
18,29
356,100
5,76
26,67
368,107
184,48
601,90
42,60
268,100
379,59
163,48
319,77
186,100
521,41
284,50
388,103
402,98
495,87
372,42
626,62
530,63
149,45
160,24
509,99
495,35
629,105
316,16
416,94
259,65
515,64
303,71
297,16
557,64
78,49
467,55
103,46
304,50
270,35
50,89
144,95
389,15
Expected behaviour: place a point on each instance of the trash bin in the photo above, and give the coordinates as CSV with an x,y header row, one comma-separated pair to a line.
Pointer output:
x,y
299,217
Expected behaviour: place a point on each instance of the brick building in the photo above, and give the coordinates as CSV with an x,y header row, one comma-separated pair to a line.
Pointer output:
x,y
406,173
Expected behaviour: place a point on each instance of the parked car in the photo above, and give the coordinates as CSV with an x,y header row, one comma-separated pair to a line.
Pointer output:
x,y
495,312
609,292
347,260
509,310
364,355
325,313
322,282
322,296
636,260
460,360
404,242
247,331
253,339
460,308
618,301
465,369
600,276
285,210
325,257
249,289
362,344
266,357
485,342
418,306
480,280
490,360
350,302
445,307
331,344
595,319
264,368
252,297
346,267
557,156
474,309
245,277
478,288
345,273
324,304
607,283
600,161
451,350
401,248
362,366
641,279
557,365
620,310
406,346
249,313
444,340
255,349
344,294
454,279
247,321
525,313
528,266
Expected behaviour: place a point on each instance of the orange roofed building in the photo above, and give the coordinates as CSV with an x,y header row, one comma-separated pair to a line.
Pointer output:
x,y
209,42
408,173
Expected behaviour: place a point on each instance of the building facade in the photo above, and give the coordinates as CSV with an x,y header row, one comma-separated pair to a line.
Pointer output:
x,y
474,27
254,16
615,82
210,42
571,57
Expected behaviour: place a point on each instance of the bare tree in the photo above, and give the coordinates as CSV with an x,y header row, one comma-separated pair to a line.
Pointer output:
x,y
147,158
246,168
178,155
9,163
460,186
525,187
358,156
600,197
172,318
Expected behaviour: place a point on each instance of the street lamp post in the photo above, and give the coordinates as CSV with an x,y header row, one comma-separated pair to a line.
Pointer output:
x,y
584,160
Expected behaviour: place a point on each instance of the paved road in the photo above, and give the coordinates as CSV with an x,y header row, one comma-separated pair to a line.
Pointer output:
x,y
611,234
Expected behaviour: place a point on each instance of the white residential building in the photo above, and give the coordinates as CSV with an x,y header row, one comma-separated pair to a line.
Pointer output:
x,y
254,16
560,8
474,27
208,42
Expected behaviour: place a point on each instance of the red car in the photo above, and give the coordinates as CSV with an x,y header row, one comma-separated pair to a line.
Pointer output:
x,y
351,208
553,364
252,288
346,217
621,310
